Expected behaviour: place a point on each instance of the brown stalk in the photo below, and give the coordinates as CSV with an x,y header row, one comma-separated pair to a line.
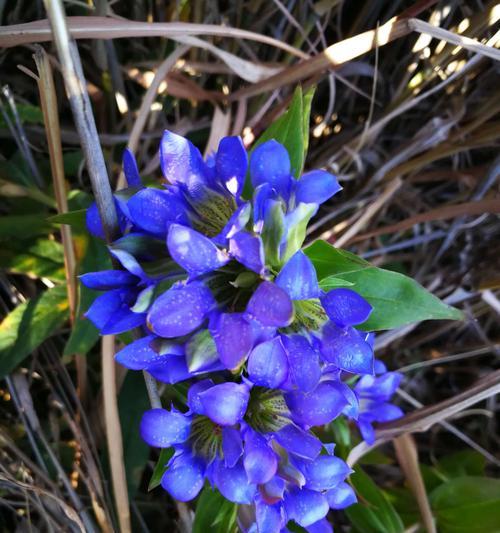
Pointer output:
x,y
84,120
440,213
422,419
48,102
113,28
407,454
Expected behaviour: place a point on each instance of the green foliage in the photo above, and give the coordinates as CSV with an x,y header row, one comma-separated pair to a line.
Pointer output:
x,y
468,504
160,468
29,324
396,299
84,334
43,258
374,512
28,114
214,513
76,219
23,226
292,129
132,402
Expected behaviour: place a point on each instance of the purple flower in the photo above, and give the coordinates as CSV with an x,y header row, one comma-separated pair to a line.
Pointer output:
x,y
223,298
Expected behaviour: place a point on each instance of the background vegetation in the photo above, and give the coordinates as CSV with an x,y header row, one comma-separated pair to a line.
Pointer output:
x,y
411,127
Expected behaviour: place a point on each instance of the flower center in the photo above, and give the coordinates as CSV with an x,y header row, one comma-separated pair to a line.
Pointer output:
x,y
213,213
309,315
206,438
267,410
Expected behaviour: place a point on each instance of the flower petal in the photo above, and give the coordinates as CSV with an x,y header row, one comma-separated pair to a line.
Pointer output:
x,y
180,310
366,429
324,472
110,312
270,163
184,477
380,387
225,404
267,364
182,163
385,412
162,428
139,354
237,221
193,396
153,209
172,370
94,224
345,307
298,278
107,279
269,517
305,506
270,305
233,337
346,349
316,187
130,169
248,250
232,446
341,496
318,407
260,461
304,362
298,441
321,526
233,483
231,163
195,253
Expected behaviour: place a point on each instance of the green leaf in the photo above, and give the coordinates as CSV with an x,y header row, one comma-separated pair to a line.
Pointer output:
x,y
376,513
332,282
23,226
132,402
160,468
28,114
462,463
95,257
396,299
291,130
76,219
42,259
469,504
297,229
29,324
201,351
214,513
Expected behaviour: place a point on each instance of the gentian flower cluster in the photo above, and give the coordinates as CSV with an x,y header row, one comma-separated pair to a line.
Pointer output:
x,y
225,300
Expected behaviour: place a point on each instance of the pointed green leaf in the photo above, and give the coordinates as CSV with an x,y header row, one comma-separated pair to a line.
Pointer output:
x,y
160,467
396,299
29,324
133,400
375,513
214,513
75,219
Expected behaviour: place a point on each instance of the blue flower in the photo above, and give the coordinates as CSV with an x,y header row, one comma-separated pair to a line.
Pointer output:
x,y
223,298
374,394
